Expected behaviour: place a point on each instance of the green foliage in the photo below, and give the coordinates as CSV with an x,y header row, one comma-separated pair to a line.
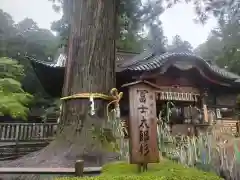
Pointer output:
x,y
211,49
206,8
106,138
25,38
122,177
51,106
37,42
166,170
179,45
110,135
19,40
11,69
132,17
222,47
130,43
13,99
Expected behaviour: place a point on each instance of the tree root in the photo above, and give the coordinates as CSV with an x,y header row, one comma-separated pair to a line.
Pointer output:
x,y
56,155
70,144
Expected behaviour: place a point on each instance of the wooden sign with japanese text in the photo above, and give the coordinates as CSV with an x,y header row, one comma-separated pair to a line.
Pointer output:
x,y
142,124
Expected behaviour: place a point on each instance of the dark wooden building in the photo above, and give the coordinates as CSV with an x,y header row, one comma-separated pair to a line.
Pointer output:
x,y
202,92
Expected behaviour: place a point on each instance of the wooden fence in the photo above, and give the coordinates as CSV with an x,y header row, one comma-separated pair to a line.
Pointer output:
x,y
10,132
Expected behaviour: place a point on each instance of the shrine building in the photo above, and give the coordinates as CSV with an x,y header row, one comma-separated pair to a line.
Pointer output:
x,y
201,92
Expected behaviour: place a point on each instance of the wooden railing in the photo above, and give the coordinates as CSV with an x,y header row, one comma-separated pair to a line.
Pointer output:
x,y
27,131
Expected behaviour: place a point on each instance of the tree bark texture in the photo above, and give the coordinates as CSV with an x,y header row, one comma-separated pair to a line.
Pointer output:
x,y
91,53
90,68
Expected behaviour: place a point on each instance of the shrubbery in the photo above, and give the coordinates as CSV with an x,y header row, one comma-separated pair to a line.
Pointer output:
x,y
166,170
14,100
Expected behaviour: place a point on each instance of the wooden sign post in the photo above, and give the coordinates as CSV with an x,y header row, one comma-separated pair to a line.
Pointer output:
x,y
142,124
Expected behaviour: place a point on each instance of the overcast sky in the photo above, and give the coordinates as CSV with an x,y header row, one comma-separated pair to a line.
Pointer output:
x,y
177,20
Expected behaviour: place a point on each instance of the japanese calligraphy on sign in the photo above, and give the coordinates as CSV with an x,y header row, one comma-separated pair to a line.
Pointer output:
x,y
142,124
144,137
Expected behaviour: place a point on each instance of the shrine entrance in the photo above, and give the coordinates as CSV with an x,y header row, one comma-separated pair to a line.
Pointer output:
x,y
180,97
179,112
180,108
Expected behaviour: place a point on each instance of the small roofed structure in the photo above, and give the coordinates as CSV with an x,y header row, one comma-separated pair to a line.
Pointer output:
x,y
201,91
51,75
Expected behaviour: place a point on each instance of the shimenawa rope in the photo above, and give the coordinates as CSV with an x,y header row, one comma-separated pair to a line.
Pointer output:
x,y
114,97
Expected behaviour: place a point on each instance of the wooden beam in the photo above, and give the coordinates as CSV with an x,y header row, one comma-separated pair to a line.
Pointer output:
x,y
27,170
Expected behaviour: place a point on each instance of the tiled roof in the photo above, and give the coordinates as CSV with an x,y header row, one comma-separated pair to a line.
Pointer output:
x,y
151,62
148,61
138,58
60,62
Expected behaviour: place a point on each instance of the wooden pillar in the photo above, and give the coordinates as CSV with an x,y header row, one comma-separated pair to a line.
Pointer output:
x,y
142,123
79,166
238,128
204,106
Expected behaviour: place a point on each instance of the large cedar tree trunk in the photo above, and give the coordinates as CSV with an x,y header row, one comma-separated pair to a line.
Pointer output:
x,y
90,68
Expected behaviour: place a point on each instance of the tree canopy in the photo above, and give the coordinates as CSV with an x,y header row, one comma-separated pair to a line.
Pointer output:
x,y
16,41
25,37
223,45
135,15
179,45
132,17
